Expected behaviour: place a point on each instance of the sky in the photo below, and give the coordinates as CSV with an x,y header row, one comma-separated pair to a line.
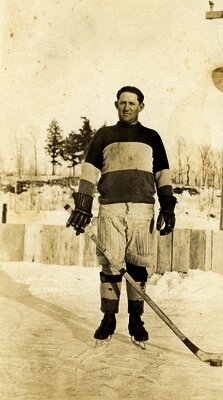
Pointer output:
x,y
66,59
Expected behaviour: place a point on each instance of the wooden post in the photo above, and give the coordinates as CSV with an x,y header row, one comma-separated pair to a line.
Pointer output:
x,y
197,249
214,14
181,250
221,212
164,253
4,213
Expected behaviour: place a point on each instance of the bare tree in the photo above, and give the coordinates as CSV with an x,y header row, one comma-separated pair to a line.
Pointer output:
x,y
188,171
184,153
180,144
214,171
19,156
2,169
218,168
205,153
34,141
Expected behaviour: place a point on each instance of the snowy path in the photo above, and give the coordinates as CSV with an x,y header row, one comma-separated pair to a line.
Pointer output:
x,y
48,316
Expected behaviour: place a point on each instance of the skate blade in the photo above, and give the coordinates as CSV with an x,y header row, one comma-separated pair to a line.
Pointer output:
x,y
102,342
141,345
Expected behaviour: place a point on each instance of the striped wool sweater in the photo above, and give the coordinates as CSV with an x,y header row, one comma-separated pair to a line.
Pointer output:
x,y
131,162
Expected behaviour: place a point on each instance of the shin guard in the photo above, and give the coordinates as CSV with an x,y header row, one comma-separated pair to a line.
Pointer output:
x,y
135,301
110,290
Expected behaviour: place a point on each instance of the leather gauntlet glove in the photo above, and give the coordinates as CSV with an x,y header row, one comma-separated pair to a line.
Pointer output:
x,y
166,215
81,215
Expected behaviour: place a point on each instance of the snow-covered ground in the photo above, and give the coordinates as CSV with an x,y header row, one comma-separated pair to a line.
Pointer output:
x,y
49,314
48,317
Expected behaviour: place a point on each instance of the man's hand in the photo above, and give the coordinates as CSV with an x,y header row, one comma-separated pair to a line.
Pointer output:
x,y
168,220
81,216
166,215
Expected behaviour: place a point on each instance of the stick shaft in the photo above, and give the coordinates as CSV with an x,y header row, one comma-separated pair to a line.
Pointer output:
x,y
190,345
134,284
202,355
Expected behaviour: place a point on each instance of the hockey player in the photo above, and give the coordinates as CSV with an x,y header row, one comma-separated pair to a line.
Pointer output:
x,y
131,164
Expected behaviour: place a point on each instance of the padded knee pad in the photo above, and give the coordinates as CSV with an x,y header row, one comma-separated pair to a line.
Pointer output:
x,y
110,278
138,273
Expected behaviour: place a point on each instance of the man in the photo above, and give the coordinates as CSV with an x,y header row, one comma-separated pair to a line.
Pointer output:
x,y
132,164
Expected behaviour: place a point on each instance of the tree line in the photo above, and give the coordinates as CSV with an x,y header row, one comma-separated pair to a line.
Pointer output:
x,y
72,149
191,165
197,165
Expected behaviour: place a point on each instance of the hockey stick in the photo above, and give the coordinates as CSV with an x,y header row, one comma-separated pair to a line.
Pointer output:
x,y
214,359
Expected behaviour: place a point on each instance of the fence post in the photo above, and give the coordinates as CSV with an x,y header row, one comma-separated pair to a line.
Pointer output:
x,y
221,211
4,213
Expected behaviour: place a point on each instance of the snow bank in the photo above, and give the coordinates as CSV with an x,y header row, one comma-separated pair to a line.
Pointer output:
x,y
194,285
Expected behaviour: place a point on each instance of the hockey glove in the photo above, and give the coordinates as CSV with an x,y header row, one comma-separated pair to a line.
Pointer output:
x,y
166,215
81,215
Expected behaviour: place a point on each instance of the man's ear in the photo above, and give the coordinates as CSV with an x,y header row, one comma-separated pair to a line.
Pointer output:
x,y
141,106
116,104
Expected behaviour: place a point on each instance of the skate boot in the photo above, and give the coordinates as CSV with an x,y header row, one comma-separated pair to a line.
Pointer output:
x,y
136,329
106,328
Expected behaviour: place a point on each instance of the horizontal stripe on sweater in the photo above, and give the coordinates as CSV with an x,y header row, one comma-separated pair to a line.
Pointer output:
x,y
120,133
126,186
120,156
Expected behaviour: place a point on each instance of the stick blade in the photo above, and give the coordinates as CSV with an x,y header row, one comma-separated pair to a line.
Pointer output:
x,y
212,358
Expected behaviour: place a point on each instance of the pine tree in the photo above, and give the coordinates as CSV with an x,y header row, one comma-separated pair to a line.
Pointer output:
x,y
72,150
54,143
86,135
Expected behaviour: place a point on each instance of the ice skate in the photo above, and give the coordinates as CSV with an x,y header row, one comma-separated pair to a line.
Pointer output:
x,y
106,328
138,333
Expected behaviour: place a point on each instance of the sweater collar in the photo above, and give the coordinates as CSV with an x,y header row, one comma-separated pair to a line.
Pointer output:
x,y
124,125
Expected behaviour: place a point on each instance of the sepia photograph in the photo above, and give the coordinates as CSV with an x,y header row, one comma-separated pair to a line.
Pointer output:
x,y
111,200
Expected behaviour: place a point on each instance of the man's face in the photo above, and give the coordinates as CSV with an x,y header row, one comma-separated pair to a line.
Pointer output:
x,y
128,108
